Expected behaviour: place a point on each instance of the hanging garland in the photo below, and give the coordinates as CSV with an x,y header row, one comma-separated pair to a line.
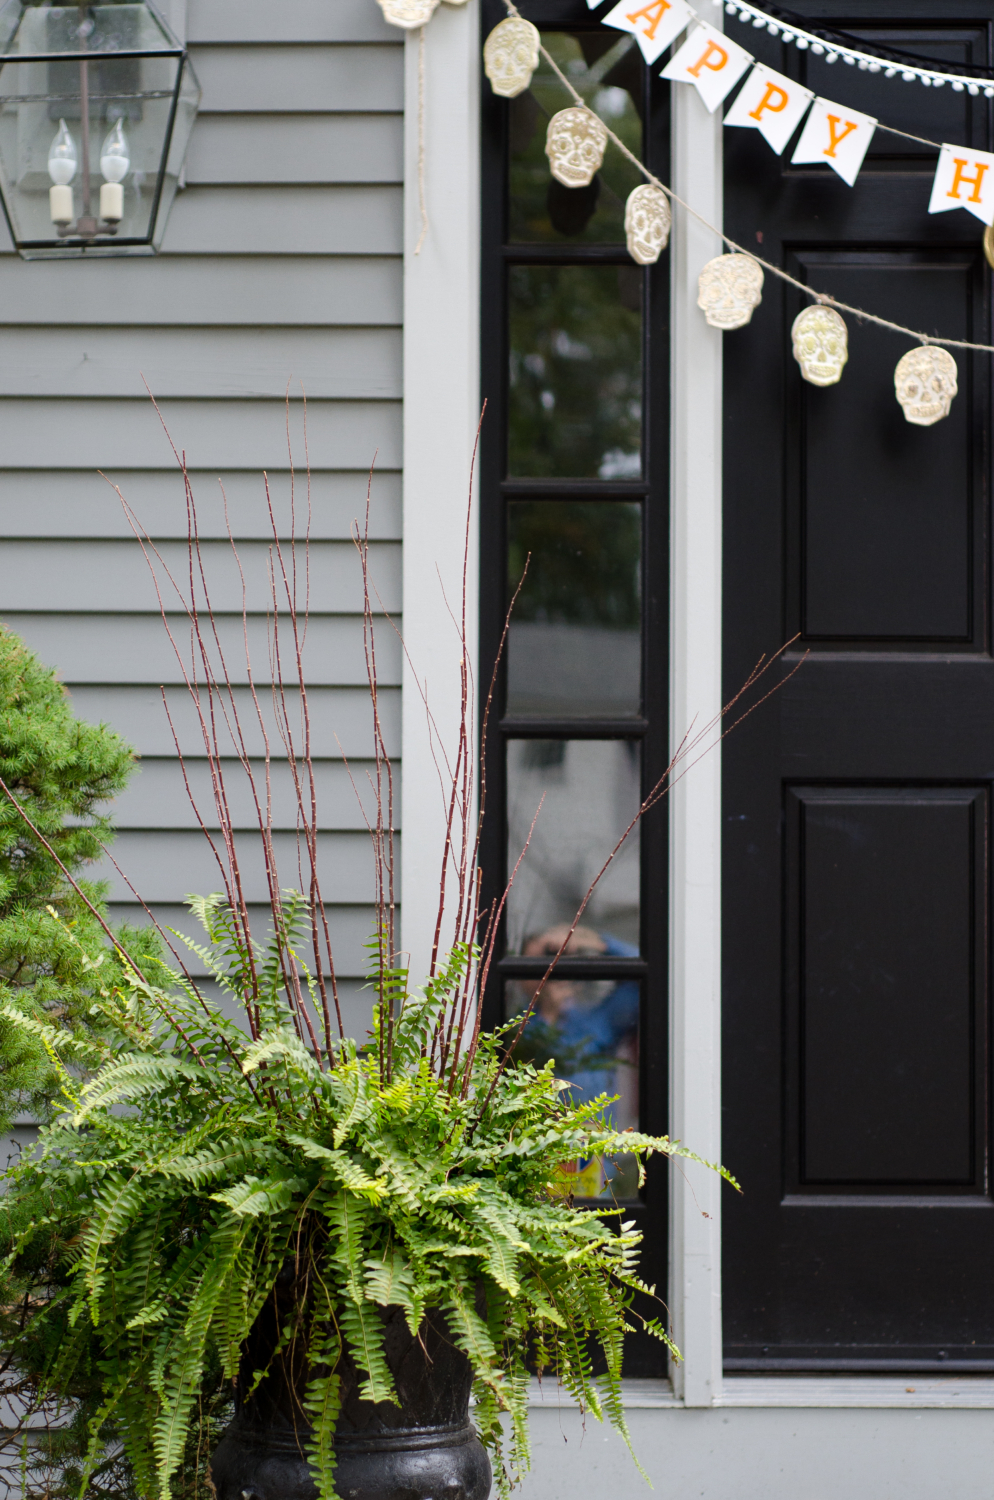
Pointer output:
x,y
730,285
410,14
834,45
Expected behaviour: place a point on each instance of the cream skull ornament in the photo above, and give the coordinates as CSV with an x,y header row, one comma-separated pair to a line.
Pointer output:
x,y
821,344
647,223
729,289
574,144
510,56
925,384
408,13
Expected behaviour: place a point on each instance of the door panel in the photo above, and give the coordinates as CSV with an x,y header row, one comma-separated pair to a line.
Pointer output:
x,y
857,803
885,510
886,989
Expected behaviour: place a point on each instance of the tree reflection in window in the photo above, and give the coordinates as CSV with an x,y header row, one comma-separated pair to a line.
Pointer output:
x,y
575,376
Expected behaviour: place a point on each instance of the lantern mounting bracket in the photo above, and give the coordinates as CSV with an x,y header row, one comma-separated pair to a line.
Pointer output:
x,y
86,228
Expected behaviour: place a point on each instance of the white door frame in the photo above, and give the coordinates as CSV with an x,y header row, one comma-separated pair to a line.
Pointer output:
x,y
695,802
441,413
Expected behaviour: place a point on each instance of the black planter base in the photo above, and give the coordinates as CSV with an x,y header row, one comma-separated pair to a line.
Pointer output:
x,y
420,1463
422,1448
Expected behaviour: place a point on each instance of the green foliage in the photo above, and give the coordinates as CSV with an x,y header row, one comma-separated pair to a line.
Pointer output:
x,y
55,964
167,1195
574,372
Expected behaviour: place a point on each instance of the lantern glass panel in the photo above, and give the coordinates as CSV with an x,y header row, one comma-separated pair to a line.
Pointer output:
x,y
91,66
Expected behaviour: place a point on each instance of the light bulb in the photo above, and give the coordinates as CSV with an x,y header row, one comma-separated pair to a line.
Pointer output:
x,y
62,157
114,158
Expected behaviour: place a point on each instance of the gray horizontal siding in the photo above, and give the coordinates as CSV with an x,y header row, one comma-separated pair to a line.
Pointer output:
x,y
103,576
243,21
270,220
347,363
161,864
157,796
117,435
287,221
253,291
280,265
77,504
281,149
340,718
299,79
101,648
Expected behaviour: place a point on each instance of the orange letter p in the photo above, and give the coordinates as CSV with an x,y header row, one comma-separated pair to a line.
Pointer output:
x,y
770,102
704,61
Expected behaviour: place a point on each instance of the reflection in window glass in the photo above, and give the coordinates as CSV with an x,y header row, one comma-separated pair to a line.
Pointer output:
x,y
575,387
592,791
607,70
574,646
590,1028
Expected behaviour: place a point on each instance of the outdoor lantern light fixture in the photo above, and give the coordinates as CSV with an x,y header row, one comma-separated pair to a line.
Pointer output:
x,y
97,102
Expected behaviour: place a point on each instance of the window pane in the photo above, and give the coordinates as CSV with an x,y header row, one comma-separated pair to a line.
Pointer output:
x,y
574,646
575,387
607,70
591,1029
592,791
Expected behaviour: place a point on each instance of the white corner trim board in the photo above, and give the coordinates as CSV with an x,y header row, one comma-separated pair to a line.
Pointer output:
x,y
695,803
441,413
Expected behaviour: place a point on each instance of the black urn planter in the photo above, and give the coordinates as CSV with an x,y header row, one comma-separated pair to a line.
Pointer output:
x,y
424,1449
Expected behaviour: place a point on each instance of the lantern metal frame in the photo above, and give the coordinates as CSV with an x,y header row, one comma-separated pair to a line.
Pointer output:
x,y
90,236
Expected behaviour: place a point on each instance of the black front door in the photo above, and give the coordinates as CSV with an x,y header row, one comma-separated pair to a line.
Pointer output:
x,y
857,804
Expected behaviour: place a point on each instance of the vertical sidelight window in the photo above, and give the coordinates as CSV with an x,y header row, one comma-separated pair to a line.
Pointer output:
x,y
575,519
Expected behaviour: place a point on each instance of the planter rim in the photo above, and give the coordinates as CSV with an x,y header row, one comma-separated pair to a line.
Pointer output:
x,y
286,1440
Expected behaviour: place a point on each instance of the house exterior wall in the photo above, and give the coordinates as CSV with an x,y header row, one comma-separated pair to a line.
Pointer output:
x,y
284,261
281,267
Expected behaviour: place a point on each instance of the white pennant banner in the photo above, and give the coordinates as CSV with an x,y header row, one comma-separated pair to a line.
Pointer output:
x,y
711,61
654,26
770,103
775,105
835,135
964,178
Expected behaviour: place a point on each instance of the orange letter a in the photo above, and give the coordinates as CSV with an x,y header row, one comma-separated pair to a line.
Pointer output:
x,y
653,12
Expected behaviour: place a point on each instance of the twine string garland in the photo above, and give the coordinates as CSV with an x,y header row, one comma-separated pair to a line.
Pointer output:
x,y
824,298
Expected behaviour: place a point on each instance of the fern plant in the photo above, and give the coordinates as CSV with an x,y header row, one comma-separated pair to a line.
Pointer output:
x,y
198,1161
421,1167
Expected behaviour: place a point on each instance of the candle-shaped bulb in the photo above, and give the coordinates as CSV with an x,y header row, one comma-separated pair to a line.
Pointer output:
x,y
62,157
114,157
